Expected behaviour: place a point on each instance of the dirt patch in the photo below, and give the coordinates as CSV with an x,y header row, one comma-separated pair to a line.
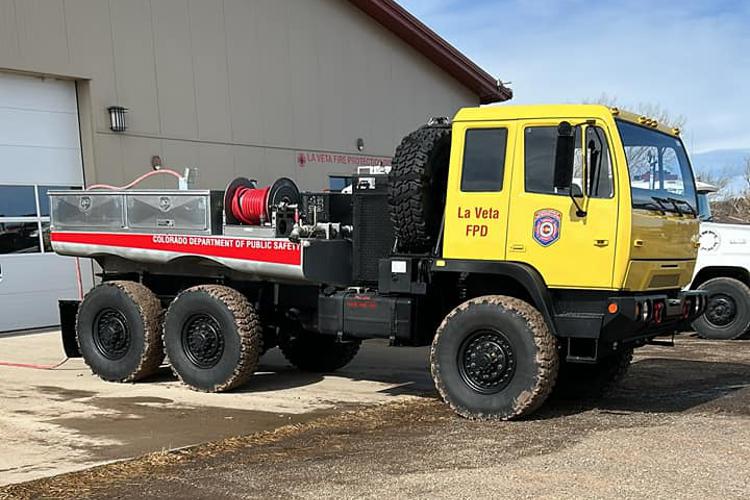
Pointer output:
x,y
62,394
63,420
678,428
138,422
680,417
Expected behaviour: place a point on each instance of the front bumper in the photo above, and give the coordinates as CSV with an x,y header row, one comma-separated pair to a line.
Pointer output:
x,y
642,316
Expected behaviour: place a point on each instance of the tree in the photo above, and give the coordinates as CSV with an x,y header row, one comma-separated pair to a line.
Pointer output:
x,y
652,110
719,179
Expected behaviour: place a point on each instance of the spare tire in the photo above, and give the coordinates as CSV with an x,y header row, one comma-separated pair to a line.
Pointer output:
x,y
417,187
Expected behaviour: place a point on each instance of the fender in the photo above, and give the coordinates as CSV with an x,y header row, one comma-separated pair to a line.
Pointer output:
x,y
528,277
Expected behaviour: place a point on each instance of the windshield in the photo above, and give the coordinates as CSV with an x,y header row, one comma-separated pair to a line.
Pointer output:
x,y
660,175
704,208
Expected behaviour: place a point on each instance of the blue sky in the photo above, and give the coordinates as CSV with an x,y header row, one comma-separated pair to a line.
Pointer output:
x,y
690,57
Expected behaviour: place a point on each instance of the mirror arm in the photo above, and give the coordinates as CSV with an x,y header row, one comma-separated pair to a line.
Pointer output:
x,y
580,212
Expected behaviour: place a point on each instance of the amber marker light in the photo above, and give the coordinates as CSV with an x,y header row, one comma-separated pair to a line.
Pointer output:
x,y
612,308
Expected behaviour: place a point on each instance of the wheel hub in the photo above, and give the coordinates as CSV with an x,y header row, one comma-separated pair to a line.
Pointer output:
x,y
203,341
111,334
486,362
721,310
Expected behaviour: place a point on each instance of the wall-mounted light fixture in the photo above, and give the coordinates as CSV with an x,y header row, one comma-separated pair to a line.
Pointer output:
x,y
360,144
117,118
156,162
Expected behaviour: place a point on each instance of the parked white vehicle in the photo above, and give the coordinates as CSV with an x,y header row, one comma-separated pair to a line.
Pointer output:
x,y
723,269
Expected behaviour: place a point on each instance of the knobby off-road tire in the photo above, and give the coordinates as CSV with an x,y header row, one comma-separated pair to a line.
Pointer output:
x,y
118,330
213,338
727,315
313,352
580,380
417,187
493,357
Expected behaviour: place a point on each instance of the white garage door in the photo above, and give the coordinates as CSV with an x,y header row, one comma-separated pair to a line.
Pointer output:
x,y
39,150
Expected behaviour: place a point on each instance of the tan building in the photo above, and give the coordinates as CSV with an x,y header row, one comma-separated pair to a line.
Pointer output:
x,y
306,89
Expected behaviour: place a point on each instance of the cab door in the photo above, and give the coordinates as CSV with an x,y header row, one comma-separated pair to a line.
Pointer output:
x,y
476,213
569,249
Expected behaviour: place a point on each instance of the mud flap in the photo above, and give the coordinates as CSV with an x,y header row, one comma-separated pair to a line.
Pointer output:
x,y
68,314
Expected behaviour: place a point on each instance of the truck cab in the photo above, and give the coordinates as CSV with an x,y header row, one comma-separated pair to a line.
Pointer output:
x,y
626,220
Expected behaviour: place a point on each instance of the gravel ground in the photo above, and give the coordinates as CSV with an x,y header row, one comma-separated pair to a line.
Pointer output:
x,y
678,428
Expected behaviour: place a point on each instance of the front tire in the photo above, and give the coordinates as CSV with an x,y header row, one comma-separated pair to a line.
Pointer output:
x,y
213,338
727,315
118,330
494,358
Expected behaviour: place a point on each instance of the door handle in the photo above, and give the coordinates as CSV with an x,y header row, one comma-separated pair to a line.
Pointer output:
x,y
601,243
517,247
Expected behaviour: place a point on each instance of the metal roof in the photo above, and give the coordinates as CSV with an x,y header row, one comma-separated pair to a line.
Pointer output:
x,y
411,30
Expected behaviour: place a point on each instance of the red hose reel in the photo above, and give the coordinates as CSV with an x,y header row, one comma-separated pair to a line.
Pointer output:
x,y
245,203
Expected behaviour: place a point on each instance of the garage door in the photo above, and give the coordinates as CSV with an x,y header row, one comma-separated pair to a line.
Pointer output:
x,y
39,150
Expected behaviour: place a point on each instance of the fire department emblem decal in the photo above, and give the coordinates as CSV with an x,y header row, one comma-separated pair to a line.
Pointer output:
x,y
547,226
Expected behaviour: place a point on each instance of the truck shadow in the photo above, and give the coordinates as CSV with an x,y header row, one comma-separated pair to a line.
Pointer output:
x,y
661,385
653,385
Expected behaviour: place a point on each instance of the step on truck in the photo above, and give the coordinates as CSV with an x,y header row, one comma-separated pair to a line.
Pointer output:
x,y
533,247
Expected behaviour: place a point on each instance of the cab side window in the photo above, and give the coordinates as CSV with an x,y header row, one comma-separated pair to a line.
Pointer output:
x,y
540,144
484,160
599,181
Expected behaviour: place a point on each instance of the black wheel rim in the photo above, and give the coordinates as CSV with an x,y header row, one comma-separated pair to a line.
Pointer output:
x,y
203,340
486,361
111,334
721,310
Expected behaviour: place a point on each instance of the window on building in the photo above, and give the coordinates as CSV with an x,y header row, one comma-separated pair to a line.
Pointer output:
x,y
19,237
484,160
25,218
338,182
17,201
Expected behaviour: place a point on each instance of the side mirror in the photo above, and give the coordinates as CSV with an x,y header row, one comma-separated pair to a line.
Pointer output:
x,y
564,156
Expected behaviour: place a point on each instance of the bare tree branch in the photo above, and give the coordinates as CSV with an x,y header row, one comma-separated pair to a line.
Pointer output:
x,y
652,110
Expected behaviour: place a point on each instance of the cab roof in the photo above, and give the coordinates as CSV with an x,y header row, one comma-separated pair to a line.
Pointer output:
x,y
582,111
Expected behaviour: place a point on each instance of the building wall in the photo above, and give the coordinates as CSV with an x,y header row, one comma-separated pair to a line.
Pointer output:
x,y
230,87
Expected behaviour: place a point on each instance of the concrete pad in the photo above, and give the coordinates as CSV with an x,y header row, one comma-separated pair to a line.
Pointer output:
x,y
66,419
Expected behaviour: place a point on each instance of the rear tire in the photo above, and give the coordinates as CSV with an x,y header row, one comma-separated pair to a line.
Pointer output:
x,y
213,338
318,353
727,315
580,380
417,187
118,330
494,358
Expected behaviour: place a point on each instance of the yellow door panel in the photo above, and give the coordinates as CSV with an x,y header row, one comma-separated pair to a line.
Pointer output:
x,y
476,212
544,230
